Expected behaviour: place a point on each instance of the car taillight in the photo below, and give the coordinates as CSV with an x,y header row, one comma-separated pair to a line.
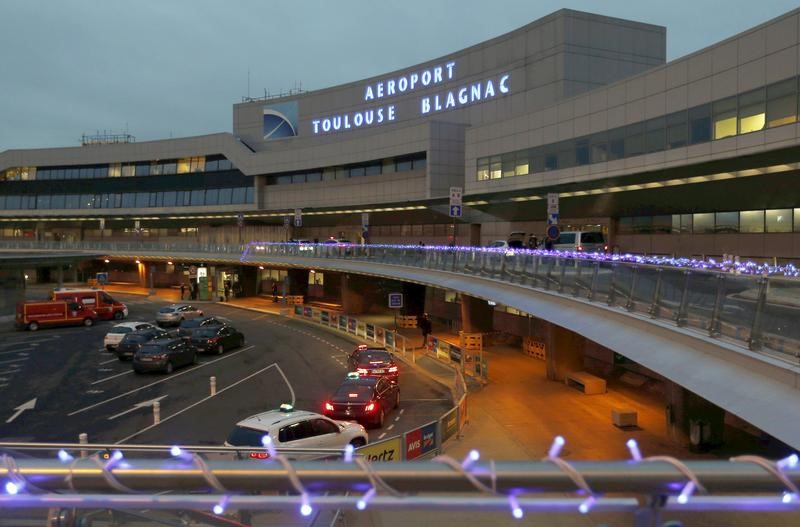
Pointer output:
x,y
580,247
362,371
605,247
328,407
393,369
259,455
370,407
213,340
361,347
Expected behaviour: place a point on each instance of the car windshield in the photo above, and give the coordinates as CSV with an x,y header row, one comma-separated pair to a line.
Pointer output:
x,y
369,357
192,323
167,309
592,237
206,333
566,237
121,329
241,436
151,349
135,339
353,392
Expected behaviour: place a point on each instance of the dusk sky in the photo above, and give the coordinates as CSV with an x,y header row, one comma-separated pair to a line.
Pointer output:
x,y
173,68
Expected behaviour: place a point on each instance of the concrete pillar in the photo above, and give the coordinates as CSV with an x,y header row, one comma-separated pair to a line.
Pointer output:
x,y
692,419
413,298
143,272
298,282
248,280
353,294
332,285
563,351
477,316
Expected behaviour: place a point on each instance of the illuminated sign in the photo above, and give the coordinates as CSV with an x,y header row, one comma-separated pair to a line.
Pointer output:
x,y
465,95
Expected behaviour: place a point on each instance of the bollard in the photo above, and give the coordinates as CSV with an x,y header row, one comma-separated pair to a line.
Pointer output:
x,y
156,412
84,440
213,381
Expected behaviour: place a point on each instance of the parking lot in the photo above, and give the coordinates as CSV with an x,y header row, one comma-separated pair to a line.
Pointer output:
x,y
58,383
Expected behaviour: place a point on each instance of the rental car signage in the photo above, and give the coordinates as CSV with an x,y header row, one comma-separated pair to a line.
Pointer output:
x,y
387,450
450,97
421,441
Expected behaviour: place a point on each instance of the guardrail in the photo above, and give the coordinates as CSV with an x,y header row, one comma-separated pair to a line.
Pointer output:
x,y
752,305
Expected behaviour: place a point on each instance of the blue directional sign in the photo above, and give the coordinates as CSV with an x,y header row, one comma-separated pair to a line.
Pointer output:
x,y
455,211
395,300
552,219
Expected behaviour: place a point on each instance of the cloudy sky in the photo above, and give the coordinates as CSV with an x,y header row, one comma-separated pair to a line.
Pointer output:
x,y
173,68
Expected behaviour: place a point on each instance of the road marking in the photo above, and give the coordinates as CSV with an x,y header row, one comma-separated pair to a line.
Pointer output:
x,y
382,435
108,361
14,360
259,317
136,406
3,385
23,351
396,419
94,392
425,400
390,427
30,405
206,398
171,377
402,410
99,381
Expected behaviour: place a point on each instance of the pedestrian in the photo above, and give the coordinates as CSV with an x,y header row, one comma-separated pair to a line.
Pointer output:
x,y
274,291
533,242
425,326
227,290
183,290
548,244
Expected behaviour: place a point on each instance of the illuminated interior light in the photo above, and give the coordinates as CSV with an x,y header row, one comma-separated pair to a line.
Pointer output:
x,y
362,503
633,447
686,493
64,456
587,505
470,458
555,447
305,508
516,510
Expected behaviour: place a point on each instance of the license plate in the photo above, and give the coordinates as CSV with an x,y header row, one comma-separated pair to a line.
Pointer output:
x,y
347,411
201,348
146,359
378,371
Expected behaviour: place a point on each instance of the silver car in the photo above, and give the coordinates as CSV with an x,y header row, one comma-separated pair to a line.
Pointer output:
x,y
173,314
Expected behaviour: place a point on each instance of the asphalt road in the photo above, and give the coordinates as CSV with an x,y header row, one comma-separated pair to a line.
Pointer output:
x,y
79,387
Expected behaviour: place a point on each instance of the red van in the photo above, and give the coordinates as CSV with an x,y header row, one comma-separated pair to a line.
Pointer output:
x,y
34,313
106,307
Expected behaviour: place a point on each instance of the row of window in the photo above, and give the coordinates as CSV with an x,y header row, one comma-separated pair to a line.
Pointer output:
x,y
745,221
126,200
765,107
145,168
372,168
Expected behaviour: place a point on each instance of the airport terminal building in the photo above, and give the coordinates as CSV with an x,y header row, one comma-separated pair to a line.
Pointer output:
x,y
693,157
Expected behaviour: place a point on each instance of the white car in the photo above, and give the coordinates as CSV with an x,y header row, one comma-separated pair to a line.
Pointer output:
x,y
290,428
173,314
114,337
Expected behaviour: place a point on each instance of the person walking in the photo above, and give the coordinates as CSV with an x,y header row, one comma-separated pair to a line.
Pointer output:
x,y
425,326
274,291
183,290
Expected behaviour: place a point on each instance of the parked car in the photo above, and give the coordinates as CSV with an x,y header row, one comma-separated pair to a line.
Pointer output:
x,y
363,399
373,362
581,241
173,314
290,428
115,334
34,313
132,342
188,327
163,355
216,339
103,304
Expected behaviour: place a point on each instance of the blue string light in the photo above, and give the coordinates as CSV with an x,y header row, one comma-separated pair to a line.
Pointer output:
x,y
516,510
64,456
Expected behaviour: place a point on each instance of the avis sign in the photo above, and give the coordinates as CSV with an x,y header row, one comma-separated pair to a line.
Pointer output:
x,y
420,441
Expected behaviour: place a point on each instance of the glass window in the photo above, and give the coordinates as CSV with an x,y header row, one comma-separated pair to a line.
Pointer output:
x,y
184,166
703,223
420,163
128,170
128,200
142,169
250,195
314,177
782,103
73,173
536,160
634,139
13,202
403,165
116,199
582,155
752,111
43,201
169,167
224,164
170,198
72,201
566,154
198,164
225,195
142,199
483,169
84,173
724,118
239,195
599,147
661,224
212,195
57,201
153,201
359,171
654,134
100,172
298,178
521,167
700,124
677,131
779,220
87,201
495,167
616,143
509,165
727,222
43,174
212,165
187,197
372,170
551,161
114,170
60,173
751,221
198,197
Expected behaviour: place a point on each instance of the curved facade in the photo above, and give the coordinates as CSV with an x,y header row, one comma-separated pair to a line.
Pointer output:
x,y
695,156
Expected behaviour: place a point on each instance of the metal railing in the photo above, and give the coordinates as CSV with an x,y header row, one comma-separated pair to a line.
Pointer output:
x,y
756,311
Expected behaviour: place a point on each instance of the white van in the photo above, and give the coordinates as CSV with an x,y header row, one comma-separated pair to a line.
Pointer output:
x,y
581,241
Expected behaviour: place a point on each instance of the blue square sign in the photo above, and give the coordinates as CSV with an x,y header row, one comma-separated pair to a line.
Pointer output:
x,y
395,300
455,211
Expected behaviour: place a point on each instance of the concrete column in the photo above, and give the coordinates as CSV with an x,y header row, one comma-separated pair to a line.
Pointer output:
x,y
248,280
413,298
332,285
298,282
689,416
477,316
353,294
143,270
563,351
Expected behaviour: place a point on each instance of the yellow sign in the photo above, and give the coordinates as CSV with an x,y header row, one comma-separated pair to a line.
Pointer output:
x,y
387,450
